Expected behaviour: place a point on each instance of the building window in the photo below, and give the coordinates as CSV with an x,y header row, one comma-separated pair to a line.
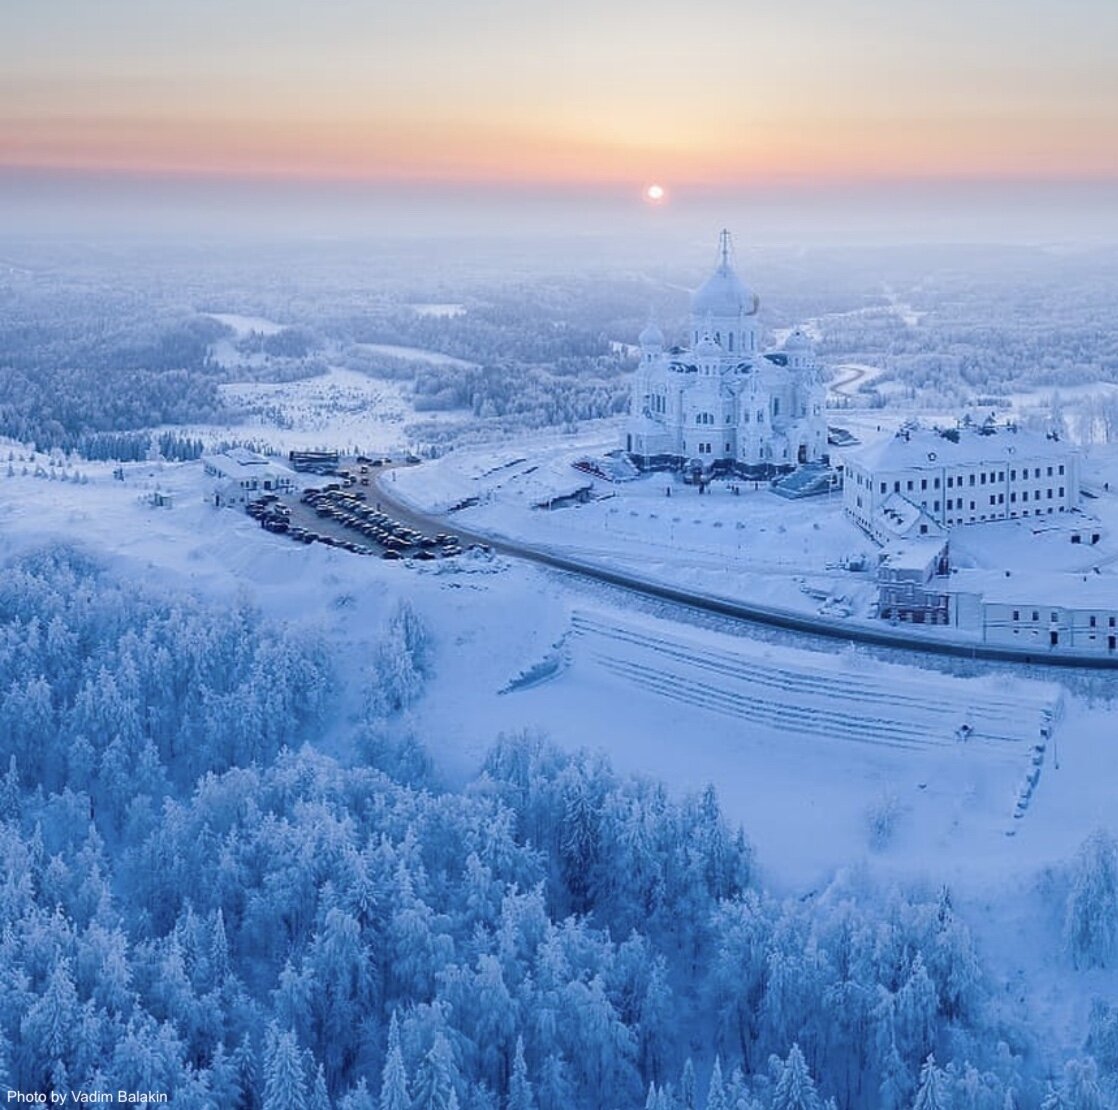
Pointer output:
x,y
923,483
1055,616
1013,475
1036,615
1061,471
1016,614
982,478
1092,622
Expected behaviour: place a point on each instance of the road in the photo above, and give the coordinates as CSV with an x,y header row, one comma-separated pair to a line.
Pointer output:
x,y
752,613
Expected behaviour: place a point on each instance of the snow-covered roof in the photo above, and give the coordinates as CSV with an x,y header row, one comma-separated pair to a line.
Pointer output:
x,y
918,448
913,554
899,517
239,462
1038,589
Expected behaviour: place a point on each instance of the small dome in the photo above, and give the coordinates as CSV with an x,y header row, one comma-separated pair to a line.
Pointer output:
x,y
797,341
707,346
651,336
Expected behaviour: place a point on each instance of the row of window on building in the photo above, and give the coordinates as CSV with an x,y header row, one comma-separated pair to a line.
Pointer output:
x,y
955,481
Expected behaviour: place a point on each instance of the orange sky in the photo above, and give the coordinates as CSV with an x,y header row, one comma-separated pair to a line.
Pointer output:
x,y
714,94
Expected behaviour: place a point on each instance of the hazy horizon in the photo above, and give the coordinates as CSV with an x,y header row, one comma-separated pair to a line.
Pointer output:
x,y
128,206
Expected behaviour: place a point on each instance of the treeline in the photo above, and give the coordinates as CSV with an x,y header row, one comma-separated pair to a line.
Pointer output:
x,y
58,407
537,397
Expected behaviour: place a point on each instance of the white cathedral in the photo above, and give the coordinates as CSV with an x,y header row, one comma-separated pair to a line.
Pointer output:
x,y
720,401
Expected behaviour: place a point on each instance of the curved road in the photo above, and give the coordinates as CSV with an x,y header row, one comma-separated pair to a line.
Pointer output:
x,y
750,612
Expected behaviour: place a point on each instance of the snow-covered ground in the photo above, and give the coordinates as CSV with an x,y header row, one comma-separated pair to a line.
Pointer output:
x,y
750,544
804,746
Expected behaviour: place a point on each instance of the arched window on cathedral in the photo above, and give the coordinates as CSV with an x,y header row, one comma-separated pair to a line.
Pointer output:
x,y
730,338
776,406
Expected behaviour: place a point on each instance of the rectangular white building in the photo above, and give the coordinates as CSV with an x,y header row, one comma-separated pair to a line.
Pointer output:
x,y
961,476
1045,611
241,476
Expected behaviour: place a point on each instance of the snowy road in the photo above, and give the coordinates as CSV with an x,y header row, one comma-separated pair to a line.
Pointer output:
x,y
771,616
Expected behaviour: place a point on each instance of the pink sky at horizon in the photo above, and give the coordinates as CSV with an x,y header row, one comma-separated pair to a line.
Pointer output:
x,y
512,94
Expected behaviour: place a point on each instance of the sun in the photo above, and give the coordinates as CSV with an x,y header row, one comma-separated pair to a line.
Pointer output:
x,y
655,194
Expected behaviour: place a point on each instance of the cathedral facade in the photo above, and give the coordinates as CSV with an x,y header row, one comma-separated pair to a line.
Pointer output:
x,y
720,401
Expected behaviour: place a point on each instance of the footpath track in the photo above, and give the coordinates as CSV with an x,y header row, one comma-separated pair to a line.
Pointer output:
x,y
827,628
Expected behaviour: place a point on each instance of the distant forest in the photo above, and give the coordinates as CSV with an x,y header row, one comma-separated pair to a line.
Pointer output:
x,y
121,343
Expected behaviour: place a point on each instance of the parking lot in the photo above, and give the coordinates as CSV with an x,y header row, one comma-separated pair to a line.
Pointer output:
x,y
339,513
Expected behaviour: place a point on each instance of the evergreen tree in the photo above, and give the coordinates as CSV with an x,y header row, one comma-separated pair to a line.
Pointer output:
x,y
716,1092
932,1093
394,1079
520,1089
436,1077
320,1097
244,1064
1091,918
687,1085
795,1089
285,1085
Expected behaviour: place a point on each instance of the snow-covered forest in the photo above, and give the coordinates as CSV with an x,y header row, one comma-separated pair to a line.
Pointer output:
x,y
96,342
196,899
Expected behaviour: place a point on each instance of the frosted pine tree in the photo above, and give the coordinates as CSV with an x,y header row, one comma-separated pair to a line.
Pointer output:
x,y
394,1078
553,1088
436,1078
687,1085
520,1089
244,1062
716,1092
48,1026
795,1089
320,1097
285,1085
932,1093
1091,918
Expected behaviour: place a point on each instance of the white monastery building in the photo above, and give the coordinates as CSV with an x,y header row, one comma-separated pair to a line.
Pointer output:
x,y
721,401
963,475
